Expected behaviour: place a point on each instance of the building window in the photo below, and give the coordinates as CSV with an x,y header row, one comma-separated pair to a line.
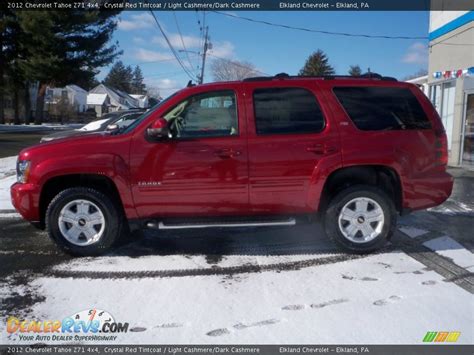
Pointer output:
x,y
442,96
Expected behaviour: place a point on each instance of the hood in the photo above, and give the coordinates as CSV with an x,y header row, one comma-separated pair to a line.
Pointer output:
x,y
64,134
64,145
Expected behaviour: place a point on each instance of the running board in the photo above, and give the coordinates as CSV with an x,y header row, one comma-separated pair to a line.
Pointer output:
x,y
230,224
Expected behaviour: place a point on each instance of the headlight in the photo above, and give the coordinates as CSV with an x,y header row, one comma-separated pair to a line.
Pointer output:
x,y
22,170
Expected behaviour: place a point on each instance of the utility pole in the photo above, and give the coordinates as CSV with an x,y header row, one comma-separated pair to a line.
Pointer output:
x,y
206,47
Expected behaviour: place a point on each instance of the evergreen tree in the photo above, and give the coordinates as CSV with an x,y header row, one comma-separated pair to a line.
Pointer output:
x,y
64,47
138,87
119,77
11,77
317,64
87,83
355,70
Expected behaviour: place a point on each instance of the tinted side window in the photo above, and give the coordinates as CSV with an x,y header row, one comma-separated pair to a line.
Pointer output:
x,y
381,108
286,110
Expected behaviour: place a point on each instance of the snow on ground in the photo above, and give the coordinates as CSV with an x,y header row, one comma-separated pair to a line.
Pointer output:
x,y
9,215
413,232
37,128
177,262
387,298
451,249
5,200
452,207
7,167
7,178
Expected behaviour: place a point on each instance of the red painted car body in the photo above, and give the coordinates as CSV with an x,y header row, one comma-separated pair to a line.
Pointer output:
x,y
245,174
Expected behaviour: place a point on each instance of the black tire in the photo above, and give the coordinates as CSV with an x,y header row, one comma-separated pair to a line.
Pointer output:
x,y
114,221
331,218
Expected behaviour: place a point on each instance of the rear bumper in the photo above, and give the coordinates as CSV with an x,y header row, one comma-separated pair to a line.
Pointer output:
x,y
25,199
427,191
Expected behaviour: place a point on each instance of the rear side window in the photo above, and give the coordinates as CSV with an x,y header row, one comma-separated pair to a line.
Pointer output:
x,y
286,110
382,108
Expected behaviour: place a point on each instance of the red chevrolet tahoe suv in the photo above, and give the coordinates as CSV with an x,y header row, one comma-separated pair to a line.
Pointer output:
x,y
262,151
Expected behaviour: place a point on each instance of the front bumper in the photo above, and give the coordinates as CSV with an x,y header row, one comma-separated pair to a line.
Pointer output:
x,y
25,199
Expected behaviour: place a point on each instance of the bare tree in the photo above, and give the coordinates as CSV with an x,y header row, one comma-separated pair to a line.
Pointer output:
x,y
153,91
228,70
154,95
420,72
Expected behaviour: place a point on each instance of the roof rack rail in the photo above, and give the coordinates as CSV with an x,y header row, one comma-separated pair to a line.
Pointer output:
x,y
258,78
369,75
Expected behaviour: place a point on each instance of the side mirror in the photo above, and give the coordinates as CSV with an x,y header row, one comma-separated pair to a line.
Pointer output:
x,y
112,128
159,129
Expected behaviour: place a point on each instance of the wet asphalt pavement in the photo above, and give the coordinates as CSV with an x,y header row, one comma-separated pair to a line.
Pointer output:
x,y
13,143
25,248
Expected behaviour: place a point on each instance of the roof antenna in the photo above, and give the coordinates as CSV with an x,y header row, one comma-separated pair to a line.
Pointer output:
x,y
190,84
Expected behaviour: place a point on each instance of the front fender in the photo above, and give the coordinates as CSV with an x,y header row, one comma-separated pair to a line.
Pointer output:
x,y
111,166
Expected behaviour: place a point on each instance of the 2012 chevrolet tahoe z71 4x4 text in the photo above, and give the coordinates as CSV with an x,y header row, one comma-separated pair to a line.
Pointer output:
x,y
262,151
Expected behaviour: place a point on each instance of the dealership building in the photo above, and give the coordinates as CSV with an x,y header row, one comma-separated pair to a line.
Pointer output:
x,y
451,80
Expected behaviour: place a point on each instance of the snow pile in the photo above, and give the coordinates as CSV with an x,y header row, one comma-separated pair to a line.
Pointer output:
x,y
7,178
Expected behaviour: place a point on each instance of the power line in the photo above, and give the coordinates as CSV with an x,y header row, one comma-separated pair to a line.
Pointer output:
x,y
171,47
346,34
182,41
235,63
453,44
443,41
239,64
156,61
166,75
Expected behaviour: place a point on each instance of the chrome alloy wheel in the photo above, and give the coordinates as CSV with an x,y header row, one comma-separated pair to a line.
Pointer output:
x,y
81,222
361,220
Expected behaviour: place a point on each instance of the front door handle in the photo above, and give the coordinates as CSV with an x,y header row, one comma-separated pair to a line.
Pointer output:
x,y
226,153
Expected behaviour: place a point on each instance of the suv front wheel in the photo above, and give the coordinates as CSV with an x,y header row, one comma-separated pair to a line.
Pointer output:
x,y
83,221
360,218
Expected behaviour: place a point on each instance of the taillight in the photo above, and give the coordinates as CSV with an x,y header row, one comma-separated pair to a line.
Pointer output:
x,y
441,147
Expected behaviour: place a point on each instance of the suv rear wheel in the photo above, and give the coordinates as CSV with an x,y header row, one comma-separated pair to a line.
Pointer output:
x,y
360,218
83,221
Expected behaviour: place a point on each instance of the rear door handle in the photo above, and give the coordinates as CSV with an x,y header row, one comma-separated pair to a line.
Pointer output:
x,y
321,149
316,149
226,153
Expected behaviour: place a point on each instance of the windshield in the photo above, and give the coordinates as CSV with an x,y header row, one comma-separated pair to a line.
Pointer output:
x,y
148,113
126,120
93,125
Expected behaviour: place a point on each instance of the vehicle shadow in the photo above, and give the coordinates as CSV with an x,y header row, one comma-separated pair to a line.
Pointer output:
x,y
217,242
211,252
